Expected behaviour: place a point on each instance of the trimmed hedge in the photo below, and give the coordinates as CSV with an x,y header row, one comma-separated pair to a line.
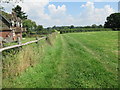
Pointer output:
x,y
84,30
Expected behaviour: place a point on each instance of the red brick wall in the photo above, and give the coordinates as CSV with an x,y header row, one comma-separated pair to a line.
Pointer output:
x,y
5,34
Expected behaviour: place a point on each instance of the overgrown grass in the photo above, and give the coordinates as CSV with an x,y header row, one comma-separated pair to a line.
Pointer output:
x,y
17,60
75,60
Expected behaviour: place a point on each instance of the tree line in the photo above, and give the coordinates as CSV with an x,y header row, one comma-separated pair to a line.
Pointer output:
x,y
112,23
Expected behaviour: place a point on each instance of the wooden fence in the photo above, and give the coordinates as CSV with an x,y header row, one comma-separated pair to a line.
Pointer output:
x,y
14,46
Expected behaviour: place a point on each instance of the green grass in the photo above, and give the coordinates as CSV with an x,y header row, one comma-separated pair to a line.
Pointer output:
x,y
24,40
76,60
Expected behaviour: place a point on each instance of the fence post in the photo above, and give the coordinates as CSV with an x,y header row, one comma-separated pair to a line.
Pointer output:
x,y
37,39
18,40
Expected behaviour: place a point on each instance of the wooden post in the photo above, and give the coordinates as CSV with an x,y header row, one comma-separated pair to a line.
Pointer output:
x,y
37,39
18,40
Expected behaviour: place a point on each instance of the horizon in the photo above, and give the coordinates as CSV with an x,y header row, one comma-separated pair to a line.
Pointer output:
x,y
52,13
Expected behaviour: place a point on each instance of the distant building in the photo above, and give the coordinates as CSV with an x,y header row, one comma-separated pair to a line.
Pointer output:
x,y
11,27
119,6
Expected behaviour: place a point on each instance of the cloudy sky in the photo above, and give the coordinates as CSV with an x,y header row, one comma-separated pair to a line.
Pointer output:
x,y
66,12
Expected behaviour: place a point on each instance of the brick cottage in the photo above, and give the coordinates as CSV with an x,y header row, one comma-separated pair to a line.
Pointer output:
x,y
11,27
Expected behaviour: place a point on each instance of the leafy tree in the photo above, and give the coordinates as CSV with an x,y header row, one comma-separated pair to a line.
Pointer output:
x,y
86,27
48,28
39,29
100,26
19,12
71,27
113,21
29,25
2,8
54,27
94,26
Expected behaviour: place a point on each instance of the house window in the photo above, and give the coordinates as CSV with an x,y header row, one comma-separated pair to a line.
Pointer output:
x,y
21,25
15,25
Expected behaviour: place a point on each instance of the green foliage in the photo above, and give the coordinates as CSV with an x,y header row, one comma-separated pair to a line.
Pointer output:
x,y
113,21
17,60
83,30
19,13
2,8
33,29
29,25
75,60
39,28
71,27
24,34
94,26
100,26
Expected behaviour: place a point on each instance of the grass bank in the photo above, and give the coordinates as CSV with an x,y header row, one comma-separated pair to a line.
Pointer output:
x,y
75,60
17,60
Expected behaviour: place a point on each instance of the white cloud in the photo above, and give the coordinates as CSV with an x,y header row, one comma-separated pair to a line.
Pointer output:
x,y
93,15
90,15
59,10
58,14
35,9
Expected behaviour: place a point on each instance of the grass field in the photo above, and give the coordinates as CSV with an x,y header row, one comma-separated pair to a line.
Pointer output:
x,y
76,60
24,40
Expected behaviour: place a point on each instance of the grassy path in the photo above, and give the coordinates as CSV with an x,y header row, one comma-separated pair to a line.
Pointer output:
x,y
77,60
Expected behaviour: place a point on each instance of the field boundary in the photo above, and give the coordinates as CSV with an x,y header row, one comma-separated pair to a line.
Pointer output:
x,y
82,30
19,45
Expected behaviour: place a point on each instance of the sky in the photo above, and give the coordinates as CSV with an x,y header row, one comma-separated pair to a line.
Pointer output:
x,y
66,12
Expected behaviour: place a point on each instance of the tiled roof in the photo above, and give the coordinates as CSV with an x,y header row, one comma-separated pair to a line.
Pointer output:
x,y
6,22
4,18
6,15
5,29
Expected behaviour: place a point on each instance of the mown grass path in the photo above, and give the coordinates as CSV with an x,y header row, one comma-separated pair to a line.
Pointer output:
x,y
76,60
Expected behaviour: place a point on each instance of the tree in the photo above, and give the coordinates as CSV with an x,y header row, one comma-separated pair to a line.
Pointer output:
x,y
71,27
19,12
54,27
29,25
113,21
100,26
94,26
2,8
39,29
